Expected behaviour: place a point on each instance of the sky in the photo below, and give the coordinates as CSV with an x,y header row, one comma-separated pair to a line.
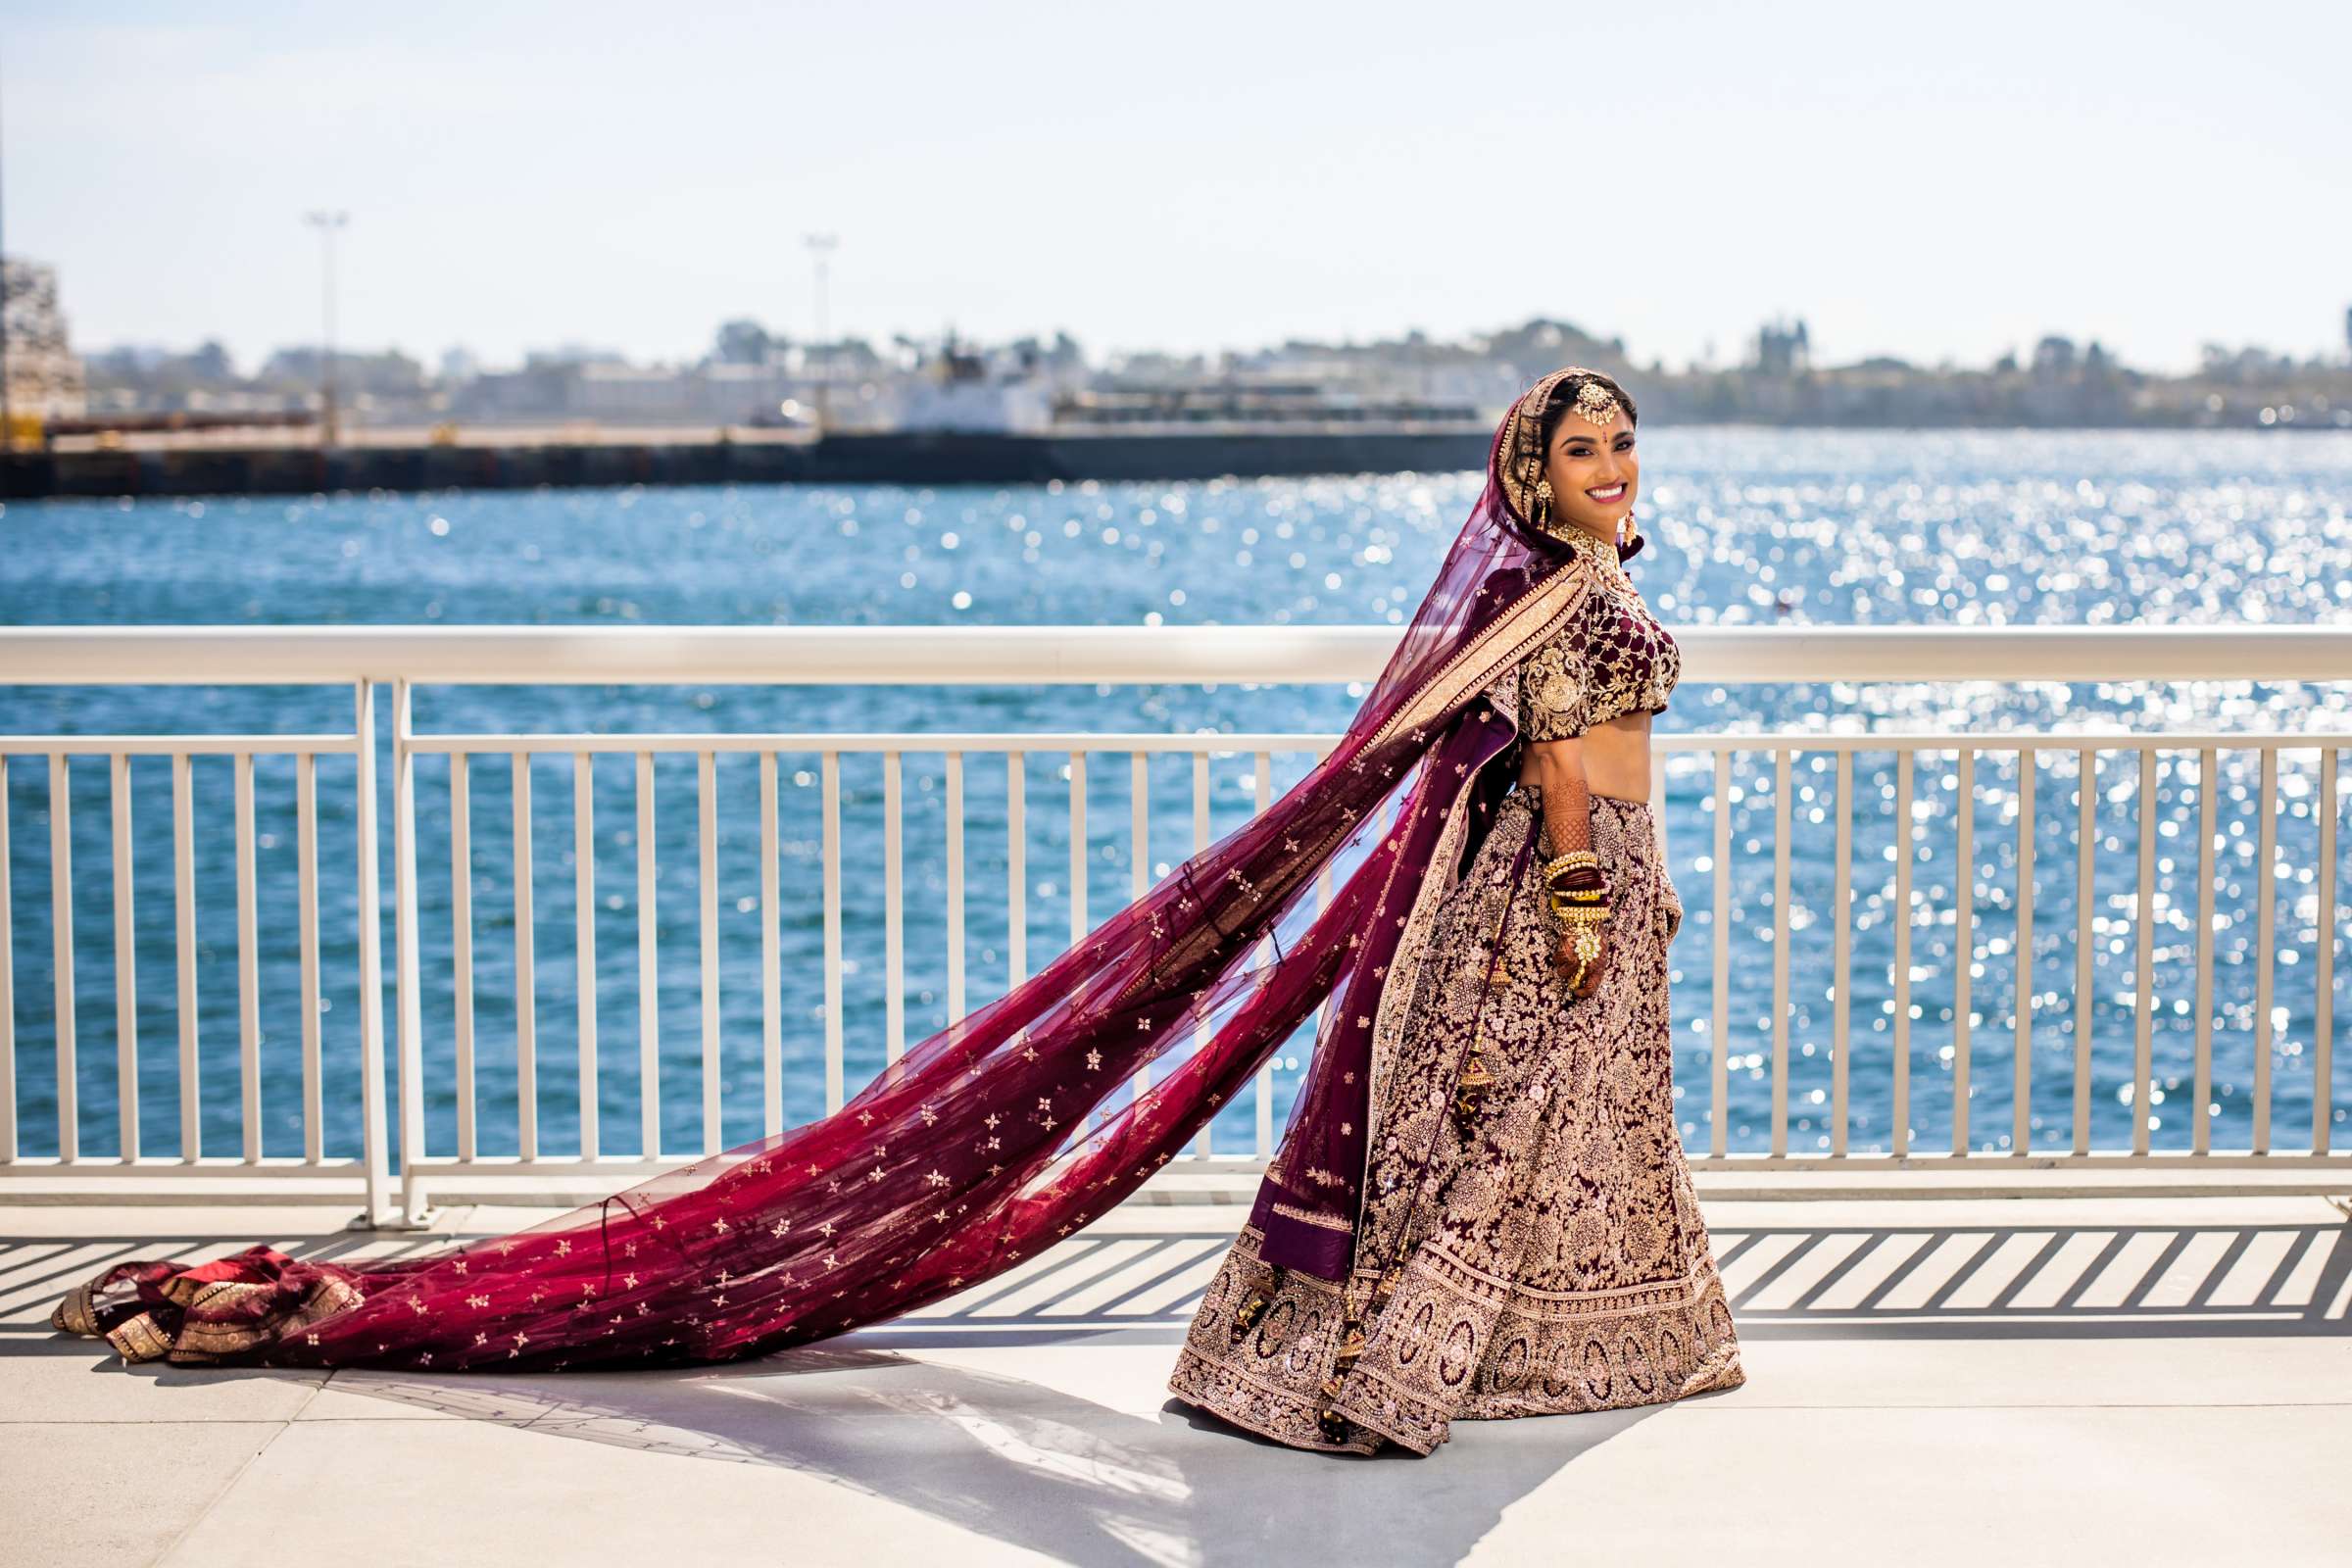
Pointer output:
x,y
1945,182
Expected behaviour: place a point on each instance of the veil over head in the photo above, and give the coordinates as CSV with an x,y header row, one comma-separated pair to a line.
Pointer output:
x,y
1013,1126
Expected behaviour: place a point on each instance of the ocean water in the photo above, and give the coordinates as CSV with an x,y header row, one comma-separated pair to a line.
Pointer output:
x,y
1786,528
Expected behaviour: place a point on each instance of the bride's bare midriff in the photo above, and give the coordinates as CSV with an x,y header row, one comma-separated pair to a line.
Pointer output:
x,y
1616,759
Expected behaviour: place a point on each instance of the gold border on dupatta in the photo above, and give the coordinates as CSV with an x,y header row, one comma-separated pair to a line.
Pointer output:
x,y
77,1313
1561,595
1534,616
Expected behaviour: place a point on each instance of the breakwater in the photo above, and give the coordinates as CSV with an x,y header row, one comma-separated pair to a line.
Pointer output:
x,y
923,457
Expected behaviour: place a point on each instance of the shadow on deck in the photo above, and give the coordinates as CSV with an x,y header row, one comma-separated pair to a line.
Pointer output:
x,y
1029,1412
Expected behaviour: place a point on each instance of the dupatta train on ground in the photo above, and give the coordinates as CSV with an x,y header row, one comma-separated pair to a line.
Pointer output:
x,y
994,1137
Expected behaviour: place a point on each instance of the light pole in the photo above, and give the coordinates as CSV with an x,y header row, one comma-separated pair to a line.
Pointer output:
x,y
821,249
328,226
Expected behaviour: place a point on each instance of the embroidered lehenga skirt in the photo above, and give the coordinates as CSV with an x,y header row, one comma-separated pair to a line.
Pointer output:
x,y
1542,1253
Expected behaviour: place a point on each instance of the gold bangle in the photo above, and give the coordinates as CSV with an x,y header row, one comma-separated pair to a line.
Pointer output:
x,y
1573,860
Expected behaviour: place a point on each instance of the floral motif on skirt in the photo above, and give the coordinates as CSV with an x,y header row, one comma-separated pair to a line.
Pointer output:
x,y
1544,1255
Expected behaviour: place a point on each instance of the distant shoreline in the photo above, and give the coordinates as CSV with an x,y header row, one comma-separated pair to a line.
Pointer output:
x,y
572,459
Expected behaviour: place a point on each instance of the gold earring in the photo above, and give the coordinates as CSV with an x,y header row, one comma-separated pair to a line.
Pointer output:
x,y
1543,498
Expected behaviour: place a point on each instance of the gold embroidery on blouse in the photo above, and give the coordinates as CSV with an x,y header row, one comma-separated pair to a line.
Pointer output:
x,y
1612,658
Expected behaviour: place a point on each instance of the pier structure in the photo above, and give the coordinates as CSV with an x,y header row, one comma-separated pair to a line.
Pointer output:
x,y
883,457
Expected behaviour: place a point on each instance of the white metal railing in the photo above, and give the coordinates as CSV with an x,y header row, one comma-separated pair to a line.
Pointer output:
x,y
395,660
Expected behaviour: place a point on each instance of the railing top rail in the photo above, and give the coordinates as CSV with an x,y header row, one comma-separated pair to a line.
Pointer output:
x,y
1212,743
593,655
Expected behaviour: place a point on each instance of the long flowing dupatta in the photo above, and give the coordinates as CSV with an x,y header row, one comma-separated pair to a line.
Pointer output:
x,y
975,1149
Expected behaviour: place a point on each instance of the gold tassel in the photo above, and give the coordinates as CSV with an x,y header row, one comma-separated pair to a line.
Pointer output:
x,y
1250,1312
1332,1424
1470,1090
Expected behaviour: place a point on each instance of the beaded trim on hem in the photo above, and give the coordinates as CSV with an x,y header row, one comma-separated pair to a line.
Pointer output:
x,y
1233,1397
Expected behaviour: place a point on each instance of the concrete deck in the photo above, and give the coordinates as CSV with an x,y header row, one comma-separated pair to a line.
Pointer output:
x,y
2087,1381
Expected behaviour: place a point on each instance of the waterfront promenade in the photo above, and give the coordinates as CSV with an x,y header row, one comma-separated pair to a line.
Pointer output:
x,y
2126,1380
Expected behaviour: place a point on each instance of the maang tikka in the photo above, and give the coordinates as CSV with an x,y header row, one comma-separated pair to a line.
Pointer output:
x,y
1596,403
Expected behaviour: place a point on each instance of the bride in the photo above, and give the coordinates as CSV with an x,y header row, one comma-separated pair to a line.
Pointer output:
x,y
1480,1207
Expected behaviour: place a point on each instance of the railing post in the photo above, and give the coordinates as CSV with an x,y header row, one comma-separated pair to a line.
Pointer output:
x,y
1719,1035
2021,1092
373,1134
1906,852
2322,1057
61,933
8,990
409,1039
772,963
126,973
249,970
183,956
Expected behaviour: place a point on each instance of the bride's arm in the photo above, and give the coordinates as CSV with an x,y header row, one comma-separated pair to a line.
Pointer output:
x,y
1558,768
1559,771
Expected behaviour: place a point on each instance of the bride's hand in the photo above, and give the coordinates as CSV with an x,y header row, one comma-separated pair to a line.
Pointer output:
x,y
1565,958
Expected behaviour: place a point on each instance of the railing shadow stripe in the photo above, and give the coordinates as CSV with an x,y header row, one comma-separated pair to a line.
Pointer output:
x,y
2070,1297
1074,1288
2042,1259
2286,1266
1987,1246
33,1251
1780,1265
1933,1239
1192,1258
1740,1247
1012,1283
1838,1271
2335,1276
2294,1263
1035,1309
16,1271
2202,1295
66,1275
2135,1298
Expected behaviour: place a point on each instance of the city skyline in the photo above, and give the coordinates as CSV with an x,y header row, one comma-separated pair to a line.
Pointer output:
x,y
1933,189
1765,348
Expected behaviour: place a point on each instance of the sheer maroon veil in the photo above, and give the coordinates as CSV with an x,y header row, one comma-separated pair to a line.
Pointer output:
x,y
1003,1133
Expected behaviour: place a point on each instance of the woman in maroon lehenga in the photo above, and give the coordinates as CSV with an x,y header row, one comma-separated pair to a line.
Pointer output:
x,y
1452,1248
1530,1241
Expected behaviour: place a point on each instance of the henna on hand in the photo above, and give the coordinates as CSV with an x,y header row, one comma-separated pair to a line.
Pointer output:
x,y
1567,813
1565,958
